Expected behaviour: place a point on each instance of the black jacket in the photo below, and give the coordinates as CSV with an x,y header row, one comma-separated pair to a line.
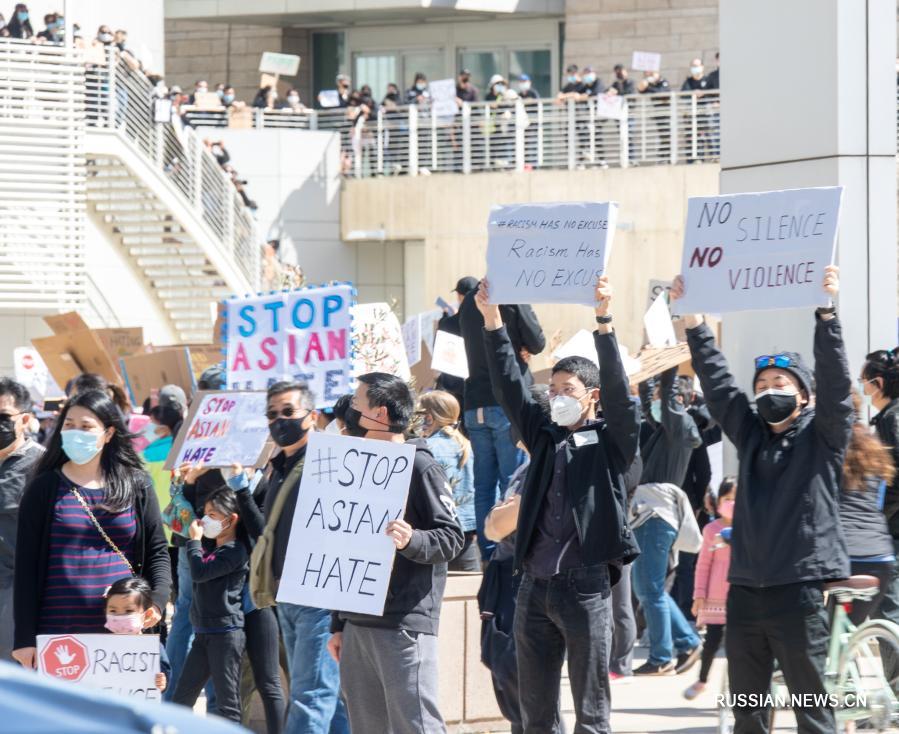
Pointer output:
x,y
599,455
218,581
524,331
886,423
786,521
864,525
151,554
418,578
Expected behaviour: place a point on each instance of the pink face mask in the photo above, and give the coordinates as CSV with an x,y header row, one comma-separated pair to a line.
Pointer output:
x,y
726,509
125,624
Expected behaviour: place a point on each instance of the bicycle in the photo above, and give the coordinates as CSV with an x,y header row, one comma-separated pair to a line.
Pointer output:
x,y
862,666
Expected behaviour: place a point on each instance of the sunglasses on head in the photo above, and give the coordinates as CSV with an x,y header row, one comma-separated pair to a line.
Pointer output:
x,y
773,360
288,411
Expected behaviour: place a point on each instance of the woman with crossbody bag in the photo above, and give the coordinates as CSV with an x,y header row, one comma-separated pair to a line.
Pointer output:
x,y
88,518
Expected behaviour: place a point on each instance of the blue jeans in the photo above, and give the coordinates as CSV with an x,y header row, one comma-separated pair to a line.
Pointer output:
x,y
495,460
669,631
181,634
315,706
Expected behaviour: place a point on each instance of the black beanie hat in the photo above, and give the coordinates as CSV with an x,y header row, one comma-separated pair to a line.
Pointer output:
x,y
797,367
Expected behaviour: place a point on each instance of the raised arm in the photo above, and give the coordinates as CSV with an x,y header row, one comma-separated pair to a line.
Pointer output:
x,y
834,412
678,424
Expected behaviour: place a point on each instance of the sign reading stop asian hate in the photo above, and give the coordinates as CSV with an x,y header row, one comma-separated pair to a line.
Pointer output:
x,y
122,664
548,253
339,556
302,335
759,251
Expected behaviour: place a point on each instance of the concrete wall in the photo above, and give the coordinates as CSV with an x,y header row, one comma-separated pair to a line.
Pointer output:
x,y
448,213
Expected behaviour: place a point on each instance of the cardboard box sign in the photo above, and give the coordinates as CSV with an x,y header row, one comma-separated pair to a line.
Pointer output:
x,y
204,356
68,355
118,341
144,373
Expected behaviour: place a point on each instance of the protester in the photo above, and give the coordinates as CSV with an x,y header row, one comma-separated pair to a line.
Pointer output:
x,y
499,90
697,79
791,453
573,87
266,98
449,323
867,472
621,84
88,518
525,88
440,424
292,102
418,93
216,612
18,455
136,422
495,455
19,24
388,663
714,77
590,81
129,603
652,83
572,536
710,587
465,90
50,33
392,98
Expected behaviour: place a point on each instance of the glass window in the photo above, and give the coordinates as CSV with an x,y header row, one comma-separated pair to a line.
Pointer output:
x,y
482,65
327,58
536,64
376,70
430,63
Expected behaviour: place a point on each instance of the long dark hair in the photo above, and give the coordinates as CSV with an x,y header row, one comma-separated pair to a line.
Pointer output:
x,y
884,363
866,456
122,469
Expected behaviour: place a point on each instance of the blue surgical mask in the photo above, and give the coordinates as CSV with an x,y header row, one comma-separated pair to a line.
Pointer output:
x,y
656,410
420,86
228,98
572,79
696,70
149,432
80,446
22,16
220,93
500,88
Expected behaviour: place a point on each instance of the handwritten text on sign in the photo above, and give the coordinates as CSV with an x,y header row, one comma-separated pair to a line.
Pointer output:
x,y
299,335
758,251
226,428
122,664
338,556
548,253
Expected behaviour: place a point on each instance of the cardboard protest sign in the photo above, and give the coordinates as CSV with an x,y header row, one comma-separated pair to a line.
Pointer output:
x,y
548,253
412,339
747,252
70,354
449,355
118,341
223,428
203,356
654,361
379,345
145,373
338,556
31,371
300,335
279,64
443,97
646,61
125,665
658,325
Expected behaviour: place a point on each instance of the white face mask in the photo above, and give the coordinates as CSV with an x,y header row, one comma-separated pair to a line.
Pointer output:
x,y
149,432
565,410
696,70
333,427
212,528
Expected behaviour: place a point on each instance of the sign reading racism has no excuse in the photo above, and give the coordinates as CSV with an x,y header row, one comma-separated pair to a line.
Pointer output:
x,y
759,251
548,253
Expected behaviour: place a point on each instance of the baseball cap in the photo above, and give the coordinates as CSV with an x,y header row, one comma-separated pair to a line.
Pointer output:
x,y
465,285
172,396
524,78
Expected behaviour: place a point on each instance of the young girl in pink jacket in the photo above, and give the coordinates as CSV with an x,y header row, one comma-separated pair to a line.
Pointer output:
x,y
710,583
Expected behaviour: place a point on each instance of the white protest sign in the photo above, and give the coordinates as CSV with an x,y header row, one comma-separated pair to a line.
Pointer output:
x,y
302,335
122,664
223,428
329,98
31,371
646,61
281,64
443,97
429,321
582,344
449,355
338,556
548,253
657,322
747,252
656,287
379,345
610,105
412,339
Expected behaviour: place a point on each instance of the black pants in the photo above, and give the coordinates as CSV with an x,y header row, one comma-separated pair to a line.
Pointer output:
x,y
263,638
469,558
568,613
714,634
885,573
682,591
788,623
216,656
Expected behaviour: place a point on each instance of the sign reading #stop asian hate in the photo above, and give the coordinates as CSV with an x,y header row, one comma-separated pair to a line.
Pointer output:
x,y
302,335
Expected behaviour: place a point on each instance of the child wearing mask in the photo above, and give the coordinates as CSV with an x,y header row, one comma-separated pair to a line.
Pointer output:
x,y
216,611
710,583
127,602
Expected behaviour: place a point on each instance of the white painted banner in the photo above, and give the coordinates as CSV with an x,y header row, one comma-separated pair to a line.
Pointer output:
x,y
339,556
747,252
548,253
122,664
449,355
443,97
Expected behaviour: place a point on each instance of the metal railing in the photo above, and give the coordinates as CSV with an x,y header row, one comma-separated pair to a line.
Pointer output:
x,y
516,135
120,97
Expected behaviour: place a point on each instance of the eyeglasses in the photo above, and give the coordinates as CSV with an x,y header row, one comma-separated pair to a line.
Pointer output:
x,y
782,361
287,411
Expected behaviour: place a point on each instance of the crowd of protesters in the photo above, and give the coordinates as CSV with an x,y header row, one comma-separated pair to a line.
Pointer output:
x,y
582,501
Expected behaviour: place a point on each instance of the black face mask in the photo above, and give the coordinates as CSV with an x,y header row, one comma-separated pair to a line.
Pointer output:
x,y
7,433
287,431
775,407
351,419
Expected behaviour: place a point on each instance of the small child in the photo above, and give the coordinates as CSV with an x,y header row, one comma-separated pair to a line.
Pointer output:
x,y
710,583
216,611
127,602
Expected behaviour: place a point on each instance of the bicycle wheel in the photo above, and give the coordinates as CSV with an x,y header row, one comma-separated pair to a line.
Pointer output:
x,y
868,677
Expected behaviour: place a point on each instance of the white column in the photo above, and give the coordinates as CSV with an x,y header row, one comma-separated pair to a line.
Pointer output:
x,y
808,99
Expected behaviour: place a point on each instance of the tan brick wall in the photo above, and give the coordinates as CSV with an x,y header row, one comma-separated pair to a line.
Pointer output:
x,y
218,52
603,33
